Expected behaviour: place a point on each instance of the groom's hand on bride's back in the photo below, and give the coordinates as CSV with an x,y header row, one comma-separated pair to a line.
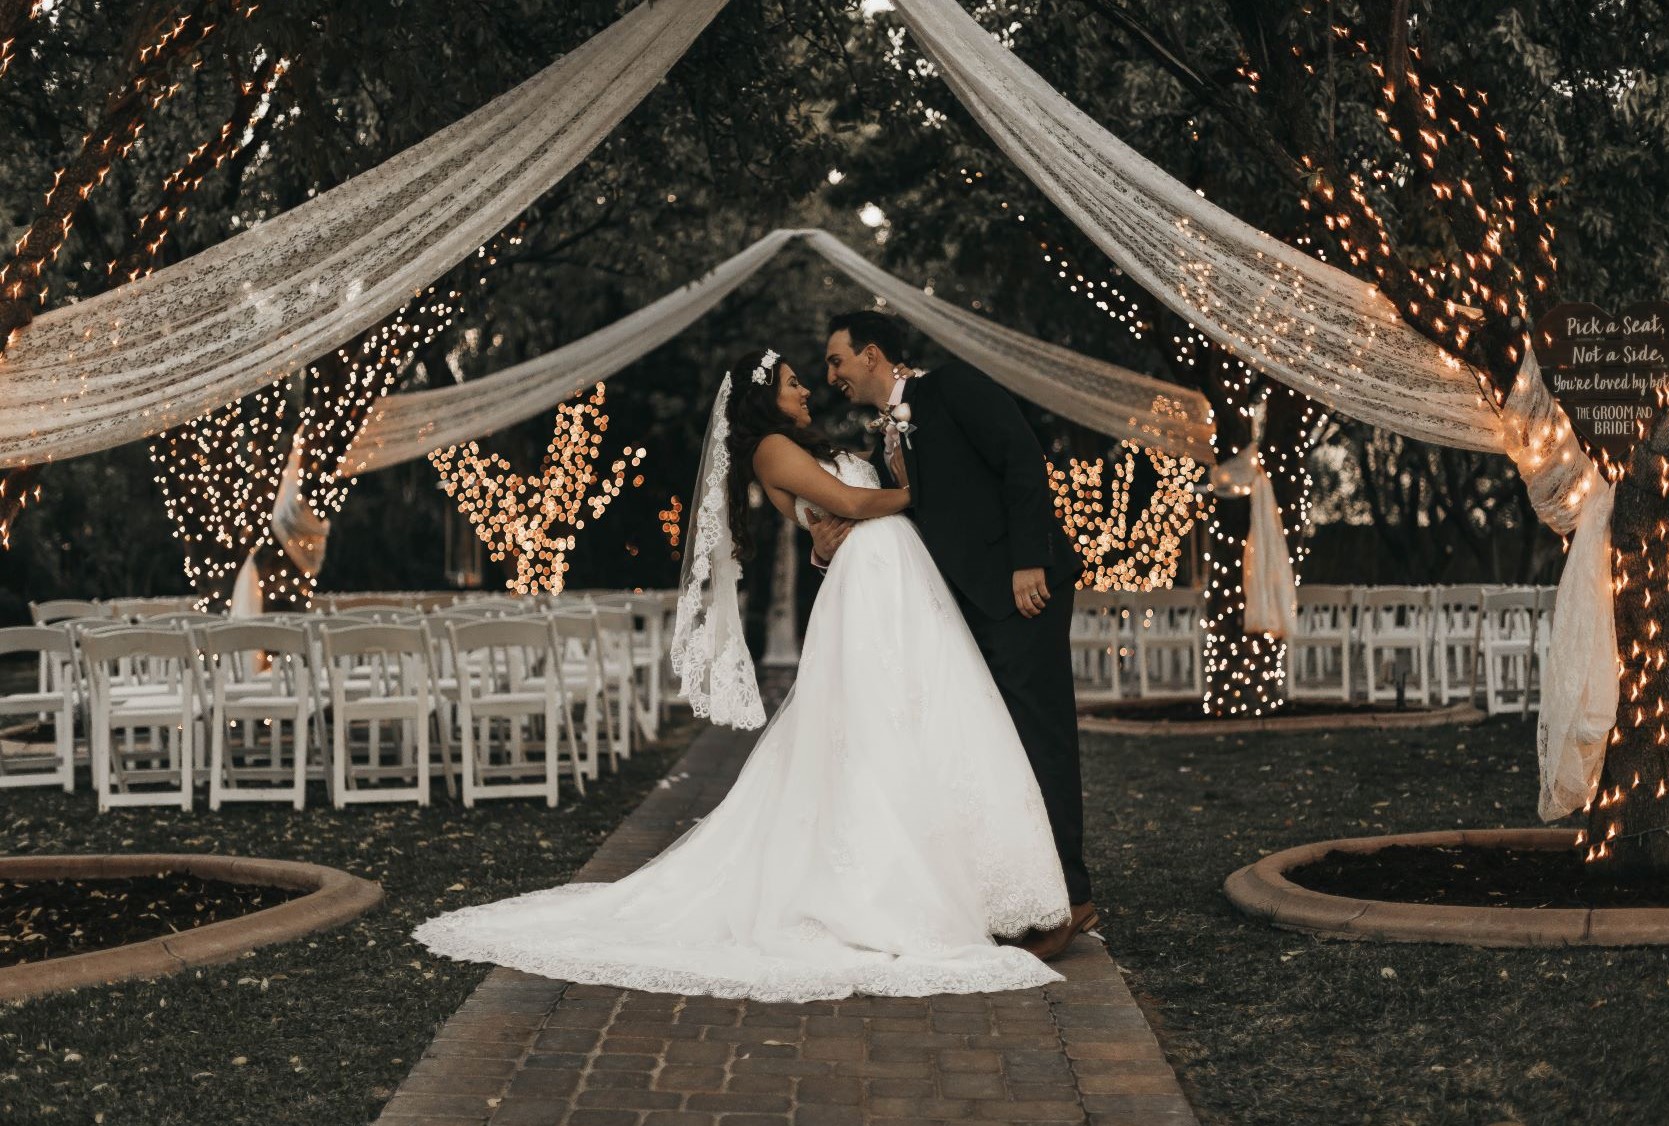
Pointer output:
x,y
827,534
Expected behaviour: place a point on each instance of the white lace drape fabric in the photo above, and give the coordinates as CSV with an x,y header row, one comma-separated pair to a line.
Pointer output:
x,y
407,426
1105,397
1100,395
709,653
1536,433
169,347
1305,323
1267,580
1580,684
885,825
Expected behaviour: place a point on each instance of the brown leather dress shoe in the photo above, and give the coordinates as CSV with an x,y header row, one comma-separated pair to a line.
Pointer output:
x,y
1051,944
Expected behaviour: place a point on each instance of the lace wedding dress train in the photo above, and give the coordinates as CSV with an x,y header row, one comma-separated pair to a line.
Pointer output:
x,y
885,825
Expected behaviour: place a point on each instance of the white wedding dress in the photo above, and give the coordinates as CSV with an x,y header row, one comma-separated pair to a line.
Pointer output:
x,y
885,825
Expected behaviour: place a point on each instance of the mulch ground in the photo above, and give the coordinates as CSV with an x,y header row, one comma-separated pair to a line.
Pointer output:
x,y
1272,1028
54,918
1470,876
316,1032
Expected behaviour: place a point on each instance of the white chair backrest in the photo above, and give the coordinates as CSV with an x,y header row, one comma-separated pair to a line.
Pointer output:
x,y
142,608
1101,601
61,609
36,639
525,633
355,639
253,637
508,649
276,655
1510,612
397,655
145,653
1177,611
1396,608
185,619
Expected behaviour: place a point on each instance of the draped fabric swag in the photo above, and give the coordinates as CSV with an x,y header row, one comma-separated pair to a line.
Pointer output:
x,y
187,339
1100,395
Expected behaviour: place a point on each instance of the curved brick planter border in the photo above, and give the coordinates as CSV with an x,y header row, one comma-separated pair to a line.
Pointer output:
x,y
1263,891
335,898
1437,717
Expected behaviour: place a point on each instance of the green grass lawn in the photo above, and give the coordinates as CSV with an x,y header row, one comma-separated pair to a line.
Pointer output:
x,y
1270,1027
316,1032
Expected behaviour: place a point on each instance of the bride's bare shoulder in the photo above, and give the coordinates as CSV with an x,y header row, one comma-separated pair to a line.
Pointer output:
x,y
778,448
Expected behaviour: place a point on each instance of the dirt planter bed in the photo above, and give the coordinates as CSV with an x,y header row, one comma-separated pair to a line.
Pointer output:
x,y
334,898
1263,891
1132,725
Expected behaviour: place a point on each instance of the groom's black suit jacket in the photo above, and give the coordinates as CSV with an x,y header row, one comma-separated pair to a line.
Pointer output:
x,y
979,488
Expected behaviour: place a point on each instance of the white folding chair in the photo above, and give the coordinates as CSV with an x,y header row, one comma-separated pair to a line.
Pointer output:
x,y
1100,642
1510,617
379,675
1396,630
1457,622
585,676
35,764
1318,655
512,672
53,667
260,676
615,649
1170,642
650,645
146,679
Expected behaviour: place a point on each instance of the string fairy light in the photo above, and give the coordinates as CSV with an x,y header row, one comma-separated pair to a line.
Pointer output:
x,y
171,42
534,521
1092,501
672,521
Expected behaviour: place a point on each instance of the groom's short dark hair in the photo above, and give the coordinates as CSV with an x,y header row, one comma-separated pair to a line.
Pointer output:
x,y
867,327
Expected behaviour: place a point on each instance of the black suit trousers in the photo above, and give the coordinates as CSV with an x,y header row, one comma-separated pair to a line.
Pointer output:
x,y
1031,661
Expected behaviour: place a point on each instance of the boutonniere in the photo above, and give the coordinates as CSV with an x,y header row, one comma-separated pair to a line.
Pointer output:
x,y
898,417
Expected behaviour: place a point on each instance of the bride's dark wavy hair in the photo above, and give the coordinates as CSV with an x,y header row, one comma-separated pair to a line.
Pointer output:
x,y
753,415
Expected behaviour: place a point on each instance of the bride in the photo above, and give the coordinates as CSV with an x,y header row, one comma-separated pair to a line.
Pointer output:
x,y
887,822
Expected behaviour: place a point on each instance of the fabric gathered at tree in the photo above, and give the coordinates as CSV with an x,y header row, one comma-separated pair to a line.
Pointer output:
x,y
1268,581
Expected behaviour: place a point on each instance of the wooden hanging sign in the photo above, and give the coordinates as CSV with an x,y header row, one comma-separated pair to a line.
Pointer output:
x,y
1609,371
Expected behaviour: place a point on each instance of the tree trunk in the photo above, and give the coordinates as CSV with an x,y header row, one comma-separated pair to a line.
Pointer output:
x,y
1244,674
1628,822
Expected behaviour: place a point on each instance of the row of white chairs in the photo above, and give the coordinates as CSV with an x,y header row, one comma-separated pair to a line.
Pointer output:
x,y
1435,644
531,691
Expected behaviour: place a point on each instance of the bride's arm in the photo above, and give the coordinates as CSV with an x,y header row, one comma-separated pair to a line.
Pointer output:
x,y
781,463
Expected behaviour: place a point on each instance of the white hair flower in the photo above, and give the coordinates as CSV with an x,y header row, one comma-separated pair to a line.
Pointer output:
x,y
767,364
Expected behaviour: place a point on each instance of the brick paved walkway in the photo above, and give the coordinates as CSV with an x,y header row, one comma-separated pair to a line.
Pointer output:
x,y
526,1050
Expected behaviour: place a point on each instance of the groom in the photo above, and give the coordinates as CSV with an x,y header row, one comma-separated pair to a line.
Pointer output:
x,y
982,501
